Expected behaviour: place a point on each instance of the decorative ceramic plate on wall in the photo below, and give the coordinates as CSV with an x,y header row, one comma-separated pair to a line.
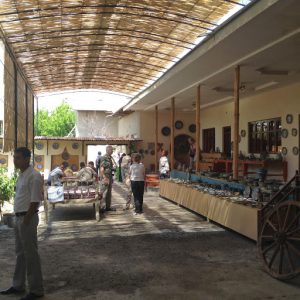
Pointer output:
x,y
192,128
74,168
3,161
55,146
284,151
294,131
166,131
39,146
65,156
38,158
39,166
295,150
284,133
75,146
178,124
289,119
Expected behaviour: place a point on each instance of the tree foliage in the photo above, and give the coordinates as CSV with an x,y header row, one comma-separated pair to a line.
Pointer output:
x,y
7,185
57,123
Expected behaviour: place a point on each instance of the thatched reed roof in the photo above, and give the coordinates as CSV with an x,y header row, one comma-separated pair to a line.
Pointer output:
x,y
111,45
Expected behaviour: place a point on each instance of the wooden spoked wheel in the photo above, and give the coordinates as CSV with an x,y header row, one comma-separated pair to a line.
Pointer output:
x,y
279,241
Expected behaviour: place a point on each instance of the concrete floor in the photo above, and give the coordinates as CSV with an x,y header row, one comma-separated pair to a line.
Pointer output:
x,y
166,253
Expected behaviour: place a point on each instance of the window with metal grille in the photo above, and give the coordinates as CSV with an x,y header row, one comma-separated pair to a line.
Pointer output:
x,y
265,136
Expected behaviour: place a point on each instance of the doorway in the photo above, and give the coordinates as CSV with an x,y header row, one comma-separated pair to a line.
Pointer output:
x,y
209,140
227,141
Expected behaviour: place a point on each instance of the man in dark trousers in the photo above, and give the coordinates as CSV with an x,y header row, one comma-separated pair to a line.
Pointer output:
x,y
106,175
29,194
98,162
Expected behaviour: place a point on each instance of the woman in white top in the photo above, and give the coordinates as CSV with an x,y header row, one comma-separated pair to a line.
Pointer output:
x,y
164,167
137,177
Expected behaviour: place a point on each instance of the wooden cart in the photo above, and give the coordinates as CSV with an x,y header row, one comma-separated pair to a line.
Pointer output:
x,y
279,232
76,192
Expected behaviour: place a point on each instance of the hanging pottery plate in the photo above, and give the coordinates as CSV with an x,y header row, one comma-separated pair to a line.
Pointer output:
x,y
284,133
166,131
65,156
243,133
55,146
146,151
39,146
284,151
75,146
294,131
3,161
38,158
178,124
39,166
295,150
152,152
192,128
289,119
74,168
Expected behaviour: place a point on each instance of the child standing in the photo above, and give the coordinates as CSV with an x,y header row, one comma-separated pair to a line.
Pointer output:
x,y
137,177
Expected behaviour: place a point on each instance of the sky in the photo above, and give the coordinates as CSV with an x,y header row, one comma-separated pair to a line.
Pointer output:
x,y
83,100
104,100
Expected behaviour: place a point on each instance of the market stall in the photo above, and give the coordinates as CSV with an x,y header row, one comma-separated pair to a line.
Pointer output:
x,y
228,209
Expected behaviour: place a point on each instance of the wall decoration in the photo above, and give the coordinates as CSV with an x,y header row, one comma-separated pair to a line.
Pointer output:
x,y
160,147
289,119
295,150
192,128
151,146
65,156
243,133
75,146
166,131
39,166
152,152
55,146
38,158
178,124
294,131
146,151
284,133
39,146
74,168
3,161
141,151
284,151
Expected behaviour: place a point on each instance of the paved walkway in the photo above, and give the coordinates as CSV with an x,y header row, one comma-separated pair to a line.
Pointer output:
x,y
166,253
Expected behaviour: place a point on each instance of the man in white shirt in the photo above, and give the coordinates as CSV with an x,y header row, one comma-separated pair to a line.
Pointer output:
x,y
29,194
56,174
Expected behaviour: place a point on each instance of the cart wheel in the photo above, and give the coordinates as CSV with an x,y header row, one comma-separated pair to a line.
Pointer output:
x,y
279,241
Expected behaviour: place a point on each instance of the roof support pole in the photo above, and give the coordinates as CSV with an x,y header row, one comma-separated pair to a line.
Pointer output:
x,y
236,123
33,131
172,132
26,115
156,139
16,104
198,128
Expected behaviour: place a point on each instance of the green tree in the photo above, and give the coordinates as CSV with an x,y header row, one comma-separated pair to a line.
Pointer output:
x,y
57,123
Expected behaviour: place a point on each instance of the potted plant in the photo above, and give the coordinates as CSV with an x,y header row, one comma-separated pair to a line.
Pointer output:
x,y
7,187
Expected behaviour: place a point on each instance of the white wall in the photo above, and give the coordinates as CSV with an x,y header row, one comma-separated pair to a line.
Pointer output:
x,y
96,123
129,126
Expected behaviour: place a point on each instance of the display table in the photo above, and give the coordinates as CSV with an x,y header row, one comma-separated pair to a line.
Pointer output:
x,y
238,217
226,166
